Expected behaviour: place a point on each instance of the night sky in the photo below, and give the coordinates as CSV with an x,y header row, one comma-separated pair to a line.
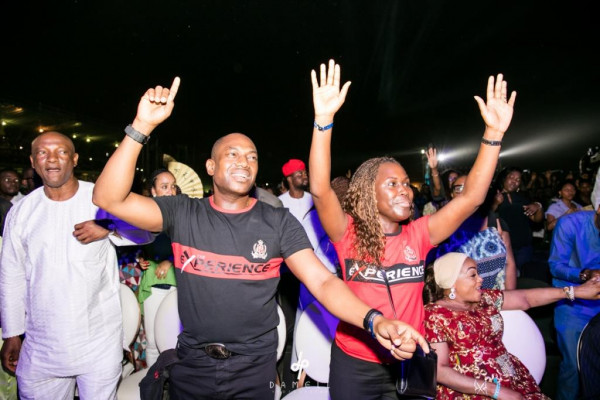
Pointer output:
x,y
245,67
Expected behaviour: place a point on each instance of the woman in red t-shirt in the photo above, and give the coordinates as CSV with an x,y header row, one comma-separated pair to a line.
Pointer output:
x,y
377,245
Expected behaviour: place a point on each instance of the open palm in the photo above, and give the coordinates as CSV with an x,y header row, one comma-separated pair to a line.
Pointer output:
x,y
327,96
497,111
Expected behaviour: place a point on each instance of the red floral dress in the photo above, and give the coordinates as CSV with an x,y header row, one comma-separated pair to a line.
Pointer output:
x,y
475,346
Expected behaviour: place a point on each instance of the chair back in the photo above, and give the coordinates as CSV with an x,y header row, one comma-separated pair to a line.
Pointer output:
x,y
131,314
281,333
314,334
167,325
523,339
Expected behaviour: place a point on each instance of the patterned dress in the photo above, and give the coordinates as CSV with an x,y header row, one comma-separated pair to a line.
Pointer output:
x,y
475,346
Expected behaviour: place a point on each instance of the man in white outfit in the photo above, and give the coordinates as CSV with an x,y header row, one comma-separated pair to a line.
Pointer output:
x,y
59,285
300,203
296,199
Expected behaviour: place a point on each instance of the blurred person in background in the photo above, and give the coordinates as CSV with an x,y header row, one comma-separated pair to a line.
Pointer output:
x,y
519,212
563,205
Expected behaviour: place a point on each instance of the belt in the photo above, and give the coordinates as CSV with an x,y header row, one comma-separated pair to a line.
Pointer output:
x,y
218,351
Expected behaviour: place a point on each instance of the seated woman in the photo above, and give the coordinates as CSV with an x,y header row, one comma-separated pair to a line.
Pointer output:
x,y
485,238
564,205
158,279
464,326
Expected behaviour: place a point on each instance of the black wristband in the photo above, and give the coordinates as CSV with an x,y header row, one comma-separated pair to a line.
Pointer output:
x,y
136,135
491,142
367,318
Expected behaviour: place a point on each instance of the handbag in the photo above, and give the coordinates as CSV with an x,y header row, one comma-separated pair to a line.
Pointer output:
x,y
416,377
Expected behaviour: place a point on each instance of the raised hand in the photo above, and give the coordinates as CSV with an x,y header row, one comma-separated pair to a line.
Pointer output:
x,y
327,96
497,111
155,106
432,159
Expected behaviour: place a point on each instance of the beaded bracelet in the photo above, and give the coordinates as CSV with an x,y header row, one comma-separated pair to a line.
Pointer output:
x,y
569,292
497,391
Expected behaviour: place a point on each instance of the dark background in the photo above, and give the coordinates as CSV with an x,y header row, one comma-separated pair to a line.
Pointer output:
x,y
80,67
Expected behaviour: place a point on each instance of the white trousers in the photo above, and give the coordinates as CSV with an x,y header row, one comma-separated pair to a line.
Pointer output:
x,y
151,305
97,385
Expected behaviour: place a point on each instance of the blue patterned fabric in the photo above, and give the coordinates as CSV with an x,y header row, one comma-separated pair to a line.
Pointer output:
x,y
486,248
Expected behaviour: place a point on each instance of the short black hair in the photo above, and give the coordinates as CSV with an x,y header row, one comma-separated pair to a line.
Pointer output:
x,y
156,173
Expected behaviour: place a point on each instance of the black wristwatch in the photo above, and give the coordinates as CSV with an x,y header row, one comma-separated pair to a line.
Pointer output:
x,y
136,135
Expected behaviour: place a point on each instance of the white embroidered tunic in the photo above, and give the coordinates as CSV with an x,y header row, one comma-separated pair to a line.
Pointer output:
x,y
64,295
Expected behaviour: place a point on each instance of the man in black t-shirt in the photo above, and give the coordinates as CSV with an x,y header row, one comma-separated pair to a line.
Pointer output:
x,y
227,252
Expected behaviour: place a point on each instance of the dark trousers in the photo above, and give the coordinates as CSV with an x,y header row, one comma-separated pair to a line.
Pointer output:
x,y
197,376
589,354
351,378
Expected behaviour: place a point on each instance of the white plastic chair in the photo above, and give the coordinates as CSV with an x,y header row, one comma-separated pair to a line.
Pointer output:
x,y
131,315
167,327
523,339
314,334
281,333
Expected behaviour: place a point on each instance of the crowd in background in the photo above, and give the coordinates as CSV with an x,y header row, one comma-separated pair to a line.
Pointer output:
x,y
480,231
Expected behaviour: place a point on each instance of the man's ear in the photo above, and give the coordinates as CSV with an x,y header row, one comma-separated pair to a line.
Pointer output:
x,y
75,159
210,167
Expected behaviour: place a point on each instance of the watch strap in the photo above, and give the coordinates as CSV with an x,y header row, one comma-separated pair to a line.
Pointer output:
x,y
136,135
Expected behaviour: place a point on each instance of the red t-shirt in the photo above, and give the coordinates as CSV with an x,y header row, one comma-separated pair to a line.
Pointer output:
x,y
404,263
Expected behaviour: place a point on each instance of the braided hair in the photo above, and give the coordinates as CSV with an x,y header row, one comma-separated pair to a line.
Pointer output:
x,y
361,204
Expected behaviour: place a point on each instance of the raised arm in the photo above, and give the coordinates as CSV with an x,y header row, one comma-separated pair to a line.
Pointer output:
x,y
327,100
497,113
432,161
112,190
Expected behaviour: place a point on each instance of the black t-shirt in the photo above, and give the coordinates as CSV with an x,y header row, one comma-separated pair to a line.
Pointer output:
x,y
519,224
227,268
